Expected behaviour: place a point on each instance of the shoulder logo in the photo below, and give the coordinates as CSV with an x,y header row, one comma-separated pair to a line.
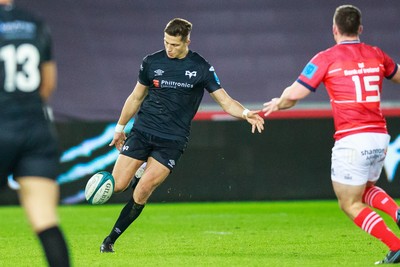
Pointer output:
x,y
158,72
309,70
190,74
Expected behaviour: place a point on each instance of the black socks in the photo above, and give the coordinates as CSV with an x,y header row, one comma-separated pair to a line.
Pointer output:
x,y
128,214
54,247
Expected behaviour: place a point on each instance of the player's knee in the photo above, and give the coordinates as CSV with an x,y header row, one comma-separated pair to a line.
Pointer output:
x,y
119,185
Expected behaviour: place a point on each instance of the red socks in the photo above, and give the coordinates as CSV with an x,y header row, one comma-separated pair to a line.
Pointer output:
x,y
373,224
377,198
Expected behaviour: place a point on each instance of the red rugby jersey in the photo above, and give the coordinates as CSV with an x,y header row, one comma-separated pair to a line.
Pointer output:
x,y
352,73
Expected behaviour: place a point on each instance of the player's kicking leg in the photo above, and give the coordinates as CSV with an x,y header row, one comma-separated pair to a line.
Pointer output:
x,y
153,176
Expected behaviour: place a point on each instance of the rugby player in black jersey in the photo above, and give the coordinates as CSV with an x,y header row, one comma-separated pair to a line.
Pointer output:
x,y
29,148
165,99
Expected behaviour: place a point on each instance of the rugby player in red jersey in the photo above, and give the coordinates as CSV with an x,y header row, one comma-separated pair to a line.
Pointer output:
x,y
352,73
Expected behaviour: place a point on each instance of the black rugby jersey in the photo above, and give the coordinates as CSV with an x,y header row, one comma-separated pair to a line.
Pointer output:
x,y
176,88
24,44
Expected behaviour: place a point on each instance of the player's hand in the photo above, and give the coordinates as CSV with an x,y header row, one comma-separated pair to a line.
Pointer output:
x,y
271,106
118,140
255,120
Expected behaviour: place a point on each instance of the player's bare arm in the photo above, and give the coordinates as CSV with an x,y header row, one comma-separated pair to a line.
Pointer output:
x,y
235,109
288,99
49,79
130,108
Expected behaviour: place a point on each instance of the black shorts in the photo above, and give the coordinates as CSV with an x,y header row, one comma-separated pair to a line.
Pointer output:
x,y
31,150
141,145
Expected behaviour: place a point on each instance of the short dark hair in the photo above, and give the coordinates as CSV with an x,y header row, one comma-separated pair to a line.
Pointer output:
x,y
179,27
348,19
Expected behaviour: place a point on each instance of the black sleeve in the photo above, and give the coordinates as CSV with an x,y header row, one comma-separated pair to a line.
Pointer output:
x,y
45,42
212,82
143,77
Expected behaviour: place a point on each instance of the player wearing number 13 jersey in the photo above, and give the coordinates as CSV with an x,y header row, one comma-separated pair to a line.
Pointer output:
x,y
28,147
353,73
25,51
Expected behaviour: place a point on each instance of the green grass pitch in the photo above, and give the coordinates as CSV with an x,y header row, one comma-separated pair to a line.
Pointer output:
x,y
301,233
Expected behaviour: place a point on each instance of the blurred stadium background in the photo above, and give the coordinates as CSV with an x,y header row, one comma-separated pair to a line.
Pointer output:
x,y
257,47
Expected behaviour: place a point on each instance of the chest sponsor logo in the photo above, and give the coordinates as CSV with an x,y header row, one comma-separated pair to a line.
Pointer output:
x,y
156,83
190,73
171,84
361,70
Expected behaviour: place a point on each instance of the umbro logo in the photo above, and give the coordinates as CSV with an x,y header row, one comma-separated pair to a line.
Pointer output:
x,y
171,163
158,72
191,74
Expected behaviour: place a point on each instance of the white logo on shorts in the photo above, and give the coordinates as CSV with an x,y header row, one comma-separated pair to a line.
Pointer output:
x,y
171,163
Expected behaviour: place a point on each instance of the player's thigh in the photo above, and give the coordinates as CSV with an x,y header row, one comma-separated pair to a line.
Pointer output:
x,y
39,196
124,169
348,193
349,198
154,175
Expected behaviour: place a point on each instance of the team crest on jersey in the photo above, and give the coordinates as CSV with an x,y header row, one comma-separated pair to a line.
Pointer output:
x,y
190,73
158,72
309,70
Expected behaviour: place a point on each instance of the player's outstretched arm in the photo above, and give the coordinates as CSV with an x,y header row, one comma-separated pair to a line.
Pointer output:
x,y
235,109
288,99
256,121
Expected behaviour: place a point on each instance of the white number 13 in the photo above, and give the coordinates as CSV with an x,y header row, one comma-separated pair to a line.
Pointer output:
x,y
366,87
26,79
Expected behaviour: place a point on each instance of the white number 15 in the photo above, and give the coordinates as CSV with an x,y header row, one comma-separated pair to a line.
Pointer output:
x,y
366,86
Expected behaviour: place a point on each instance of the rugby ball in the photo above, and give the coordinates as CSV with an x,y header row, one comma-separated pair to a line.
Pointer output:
x,y
99,188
